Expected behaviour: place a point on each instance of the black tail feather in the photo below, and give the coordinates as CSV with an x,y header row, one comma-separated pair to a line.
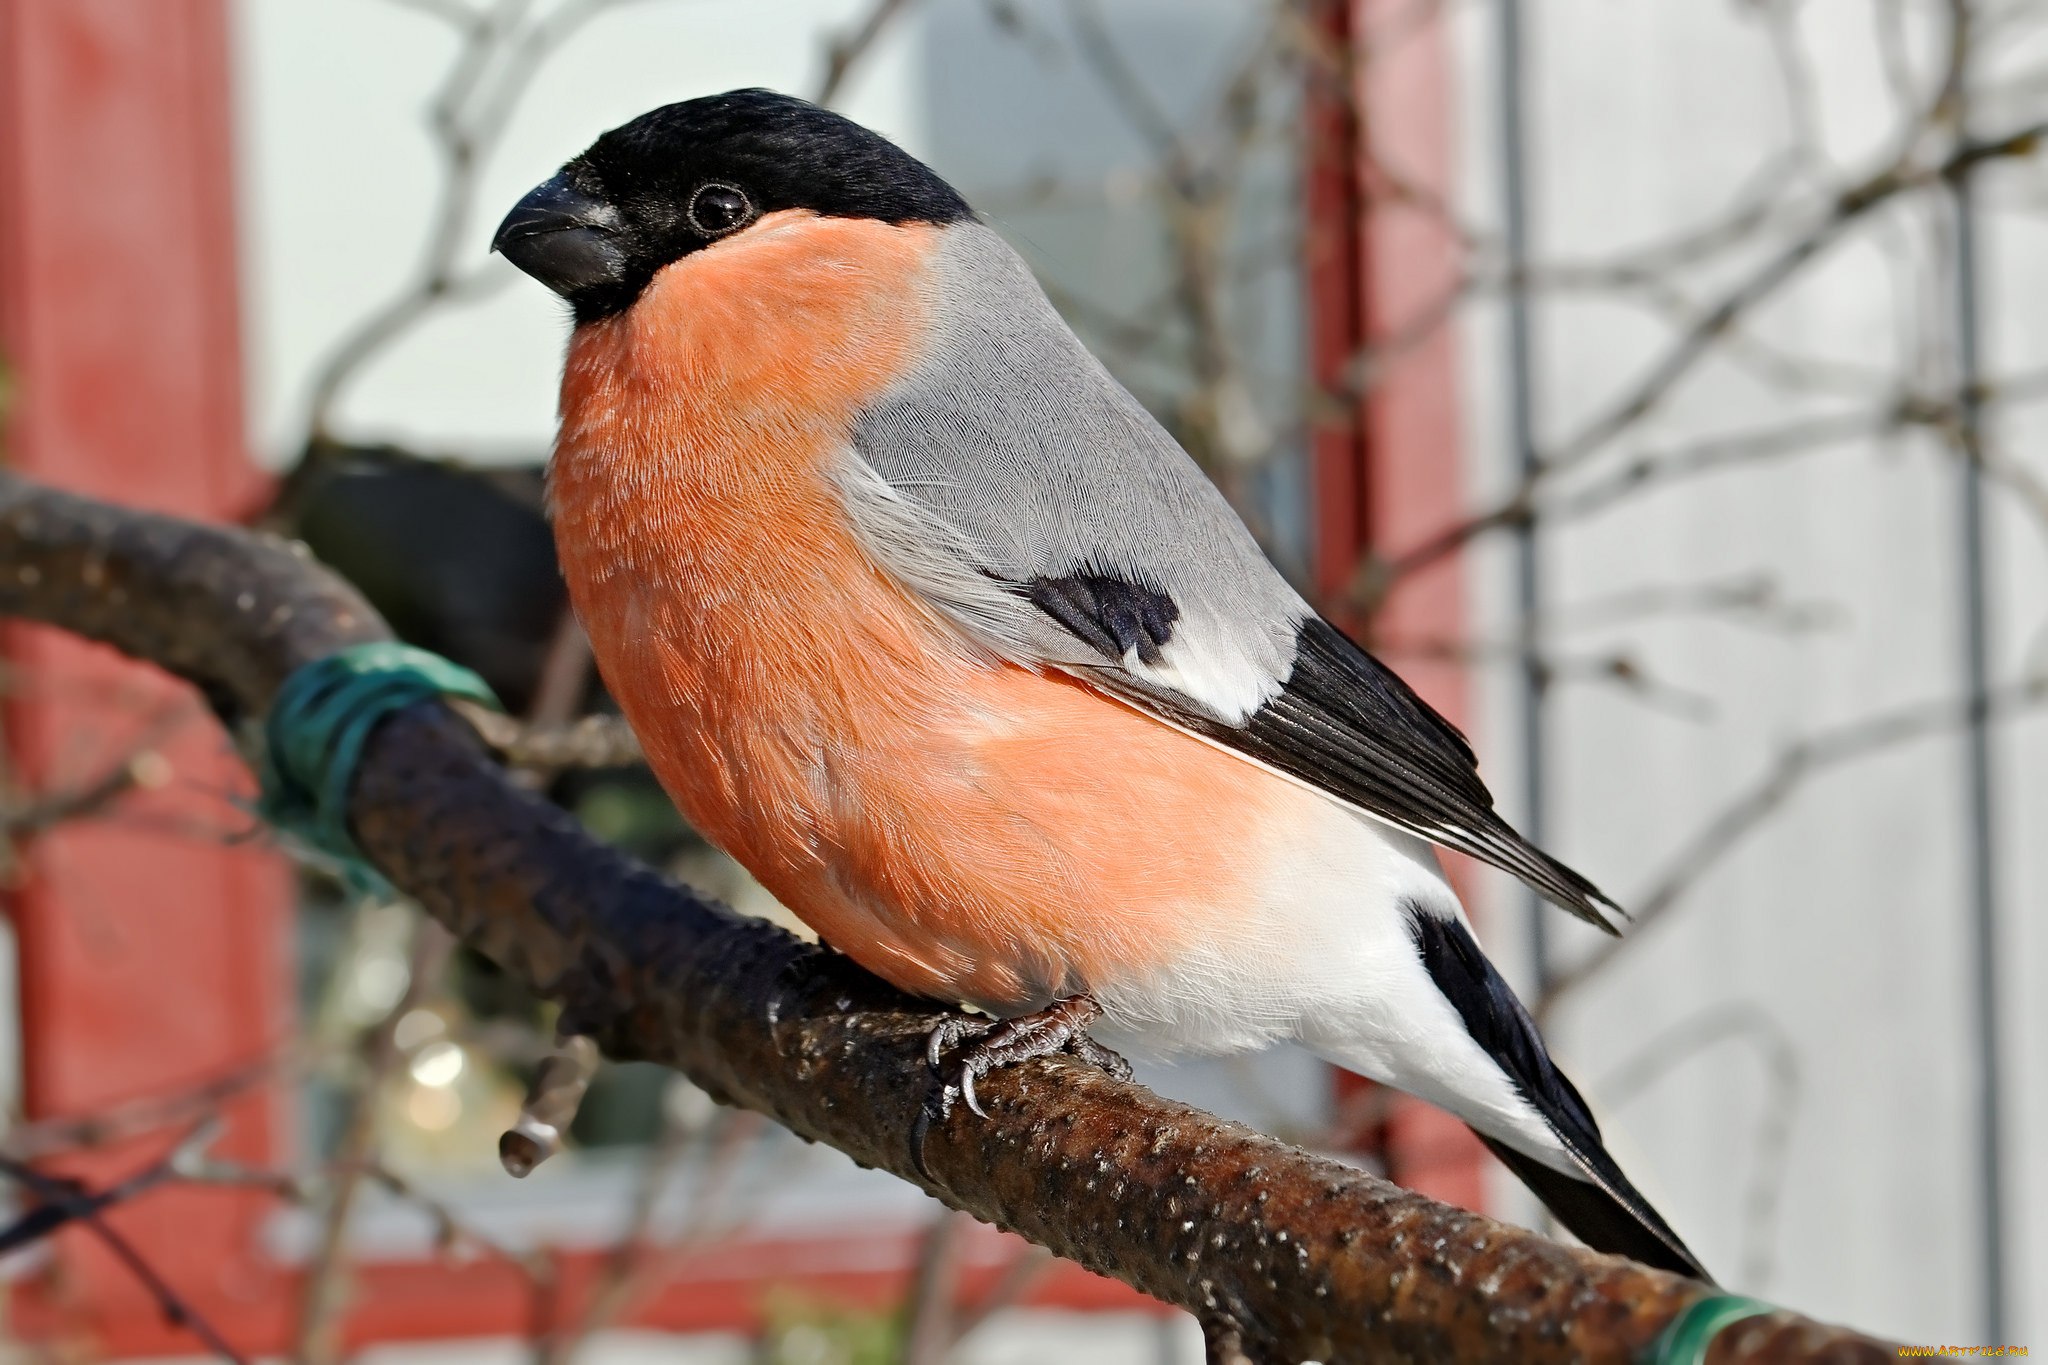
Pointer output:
x,y
1599,1206
1619,1222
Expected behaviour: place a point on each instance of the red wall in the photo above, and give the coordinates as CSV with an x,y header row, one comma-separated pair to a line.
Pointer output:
x,y
151,954
1387,464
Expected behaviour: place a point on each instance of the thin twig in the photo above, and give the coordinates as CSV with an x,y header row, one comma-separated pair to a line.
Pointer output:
x,y
637,1266
601,740
45,1138
928,1319
1850,206
498,54
1017,1278
86,1209
1777,1114
1795,764
317,1339
844,51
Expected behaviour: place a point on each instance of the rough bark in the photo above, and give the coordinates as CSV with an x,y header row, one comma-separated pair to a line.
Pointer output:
x,y
1288,1256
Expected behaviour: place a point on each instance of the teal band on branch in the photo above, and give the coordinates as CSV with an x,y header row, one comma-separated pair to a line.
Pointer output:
x,y
1685,1340
319,722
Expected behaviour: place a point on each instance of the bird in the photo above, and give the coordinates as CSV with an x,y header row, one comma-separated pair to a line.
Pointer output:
x,y
926,621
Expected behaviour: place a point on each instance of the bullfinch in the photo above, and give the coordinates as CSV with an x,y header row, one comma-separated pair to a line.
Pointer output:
x,y
922,618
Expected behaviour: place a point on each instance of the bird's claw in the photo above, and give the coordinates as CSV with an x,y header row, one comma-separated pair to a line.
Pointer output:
x,y
1060,1027
950,1031
1096,1055
967,1092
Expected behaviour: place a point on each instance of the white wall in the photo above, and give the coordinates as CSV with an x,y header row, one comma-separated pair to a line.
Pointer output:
x,y
339,178
1841,929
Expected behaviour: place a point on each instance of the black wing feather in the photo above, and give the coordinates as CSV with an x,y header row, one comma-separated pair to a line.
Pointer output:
x,y
1348,725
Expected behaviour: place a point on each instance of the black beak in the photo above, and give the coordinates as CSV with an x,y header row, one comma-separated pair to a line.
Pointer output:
x,y
564,238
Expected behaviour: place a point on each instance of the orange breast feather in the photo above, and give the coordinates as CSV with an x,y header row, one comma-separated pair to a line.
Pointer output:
x,y
966,829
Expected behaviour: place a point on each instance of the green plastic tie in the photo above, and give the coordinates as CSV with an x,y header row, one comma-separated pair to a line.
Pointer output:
x,y
1685,1339
320,720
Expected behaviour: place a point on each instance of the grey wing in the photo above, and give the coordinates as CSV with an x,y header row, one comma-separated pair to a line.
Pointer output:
x,y
1016,449
1014,484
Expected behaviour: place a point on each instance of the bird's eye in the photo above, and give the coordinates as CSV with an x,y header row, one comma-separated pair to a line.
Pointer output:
x,y
717,209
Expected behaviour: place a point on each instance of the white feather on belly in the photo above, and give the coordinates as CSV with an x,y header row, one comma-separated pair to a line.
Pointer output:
x,y
1326,958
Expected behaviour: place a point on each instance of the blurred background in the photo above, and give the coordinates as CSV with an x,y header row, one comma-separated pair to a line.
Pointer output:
x,y
1663,389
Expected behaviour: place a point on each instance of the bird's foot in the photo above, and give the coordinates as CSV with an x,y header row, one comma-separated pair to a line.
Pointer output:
x,y
1060,1027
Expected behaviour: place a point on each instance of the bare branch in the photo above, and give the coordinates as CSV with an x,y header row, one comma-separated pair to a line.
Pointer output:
x,y
84,1207
551,1104
638,1265
594,741
1850,206
317,1339
1179,1204
1754,599
844,51
928,1332
1776,1118
1793,767
44,1138
498,55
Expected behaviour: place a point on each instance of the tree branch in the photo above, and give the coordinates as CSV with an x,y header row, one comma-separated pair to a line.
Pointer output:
x,y
1304,1258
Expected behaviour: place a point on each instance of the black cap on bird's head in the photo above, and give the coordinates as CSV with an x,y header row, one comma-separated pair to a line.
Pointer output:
x,y
686,175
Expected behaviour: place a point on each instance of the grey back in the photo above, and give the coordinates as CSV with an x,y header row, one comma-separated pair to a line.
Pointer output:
x,y
1010,456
